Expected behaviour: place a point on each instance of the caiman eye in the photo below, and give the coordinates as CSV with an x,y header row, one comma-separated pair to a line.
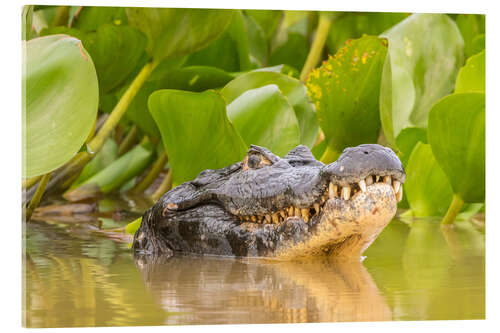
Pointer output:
x,y
255,161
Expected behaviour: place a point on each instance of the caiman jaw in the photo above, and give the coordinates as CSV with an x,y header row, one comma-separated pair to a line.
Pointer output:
x,y
334,190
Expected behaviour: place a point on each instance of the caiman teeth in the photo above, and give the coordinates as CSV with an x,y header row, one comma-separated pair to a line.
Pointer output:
x,y
346,192
399,194
297,212
362,185
332,190
316,208
305,214
396,185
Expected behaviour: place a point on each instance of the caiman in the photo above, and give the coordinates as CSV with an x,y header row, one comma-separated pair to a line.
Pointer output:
x,y
267,206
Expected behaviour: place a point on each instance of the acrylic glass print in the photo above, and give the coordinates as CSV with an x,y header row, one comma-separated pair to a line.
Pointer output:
x,y
215,166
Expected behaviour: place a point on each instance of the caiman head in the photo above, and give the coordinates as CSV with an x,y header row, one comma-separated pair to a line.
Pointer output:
x,y
267,206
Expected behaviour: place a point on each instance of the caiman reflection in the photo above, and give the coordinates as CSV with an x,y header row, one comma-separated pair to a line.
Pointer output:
x,y
267,206
256,291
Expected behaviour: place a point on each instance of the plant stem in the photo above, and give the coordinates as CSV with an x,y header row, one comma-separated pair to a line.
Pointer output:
x,y
329,155
128,141
38,196
119,110
152,174
325,21
166,184
453,210
28,182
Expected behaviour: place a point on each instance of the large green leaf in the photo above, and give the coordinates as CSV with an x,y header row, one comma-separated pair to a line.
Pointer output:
x,y
257,43
196,132
230,52
457,136
268,20
291,44
92,17
427,189
192,78
425,54
472,77
355,24
115,50
264,117
291,88
407,140
175,32
115,174
293,52
60,101
345,90
471,26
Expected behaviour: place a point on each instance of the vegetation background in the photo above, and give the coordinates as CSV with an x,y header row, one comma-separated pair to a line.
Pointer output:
x,y
137,100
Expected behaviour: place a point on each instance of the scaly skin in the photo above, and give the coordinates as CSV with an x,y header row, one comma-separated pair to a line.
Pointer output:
x,y
267,206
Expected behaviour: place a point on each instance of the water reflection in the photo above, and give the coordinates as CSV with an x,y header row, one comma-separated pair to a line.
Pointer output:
x,y
220,290
73,277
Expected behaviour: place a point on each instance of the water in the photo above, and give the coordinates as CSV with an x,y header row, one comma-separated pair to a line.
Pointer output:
x,y
75,277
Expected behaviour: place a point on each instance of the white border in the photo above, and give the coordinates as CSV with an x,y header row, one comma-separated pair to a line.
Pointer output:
x,y
11,151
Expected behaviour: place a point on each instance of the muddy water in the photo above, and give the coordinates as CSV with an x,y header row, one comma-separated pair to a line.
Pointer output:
x,y
75,277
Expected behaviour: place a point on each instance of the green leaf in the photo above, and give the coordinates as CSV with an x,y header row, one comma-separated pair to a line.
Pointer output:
x,y
104,45
291,88
345,90
291,44
104,157
196,132
355,25
293,52
92,17
264,117
230,52
174,32
196,78
319,149
193,78
425,54
116,51
472,77
470,26
268,20
427,189
61,99
478,43
457,136
257,44
27,22
114,175
133,226
407,140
